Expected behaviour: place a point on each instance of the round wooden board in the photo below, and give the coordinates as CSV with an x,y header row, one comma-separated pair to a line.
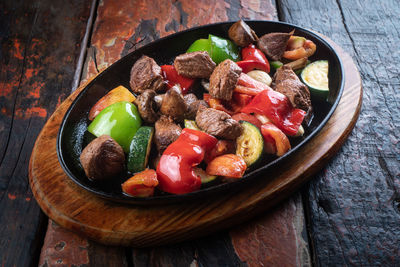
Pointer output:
x,y
118,224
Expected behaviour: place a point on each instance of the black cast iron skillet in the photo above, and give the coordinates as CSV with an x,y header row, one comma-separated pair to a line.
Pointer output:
x,y
72,136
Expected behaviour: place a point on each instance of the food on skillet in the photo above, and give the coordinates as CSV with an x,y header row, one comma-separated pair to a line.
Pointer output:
x,y
175,135
103,158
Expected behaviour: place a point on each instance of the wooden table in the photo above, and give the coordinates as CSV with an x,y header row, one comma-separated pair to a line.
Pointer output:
x,y
347,215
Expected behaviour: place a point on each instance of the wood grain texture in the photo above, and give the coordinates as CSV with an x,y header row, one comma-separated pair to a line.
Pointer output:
x,y
354,201
122,26
39,44
278,238
113,223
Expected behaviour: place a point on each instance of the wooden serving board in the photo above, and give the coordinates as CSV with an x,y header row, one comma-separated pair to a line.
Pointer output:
x,y
120,224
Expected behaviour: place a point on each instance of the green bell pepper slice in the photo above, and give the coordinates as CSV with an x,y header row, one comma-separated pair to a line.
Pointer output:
x,y
200,45
120,120
222,49
218,48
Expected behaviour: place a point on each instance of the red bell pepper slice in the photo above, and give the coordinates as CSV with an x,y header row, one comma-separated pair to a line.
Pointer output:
x,y
251,64
228,165
253,58
172,78
248,85
141,184
175,170
241,99
278,110
273,135
247,117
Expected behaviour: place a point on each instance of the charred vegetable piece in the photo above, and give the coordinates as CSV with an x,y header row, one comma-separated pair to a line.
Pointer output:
x,y
299,49
277,108
141,184
222,49
191,125
218,48
247,117
139,152
117,94
172,77
204,177
274,135
276,64
200,45
146,105
228,165
250,144
120,120
173,104
253,58
222,147
175,168
315,76
102,158
260,76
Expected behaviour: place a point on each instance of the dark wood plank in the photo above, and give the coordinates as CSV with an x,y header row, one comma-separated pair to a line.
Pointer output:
x,y
278,238
39,47
353,202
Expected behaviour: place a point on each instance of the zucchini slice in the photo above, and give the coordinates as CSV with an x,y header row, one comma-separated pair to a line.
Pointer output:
x,y
205,178
315,76
191,125
250,145
140,149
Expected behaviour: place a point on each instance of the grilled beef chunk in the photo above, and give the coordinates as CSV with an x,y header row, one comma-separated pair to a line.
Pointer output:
x,y
193,105
146,74
274,44
218,123
147,105
103,158
241,34
224,79
287,83
194,65
173,104
166,132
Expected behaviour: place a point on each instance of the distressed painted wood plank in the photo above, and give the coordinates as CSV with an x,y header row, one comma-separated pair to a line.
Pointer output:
x,y
278,238
354,201
122,24
40,42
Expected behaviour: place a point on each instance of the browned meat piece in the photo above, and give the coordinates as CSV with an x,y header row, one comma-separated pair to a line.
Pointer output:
x,y
173,104
194,65
287,83
224,79
274,44
103,158
193,105
218,123
166,132
146,74
147,105
241,34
